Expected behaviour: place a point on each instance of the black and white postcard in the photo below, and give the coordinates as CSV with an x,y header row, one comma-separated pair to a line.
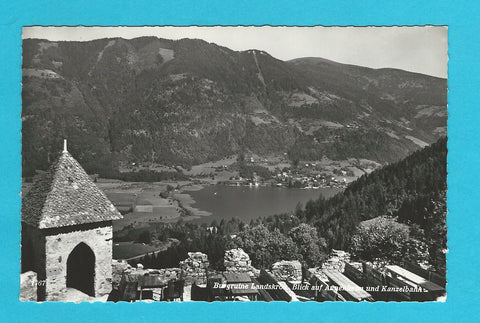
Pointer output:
x,y
221,164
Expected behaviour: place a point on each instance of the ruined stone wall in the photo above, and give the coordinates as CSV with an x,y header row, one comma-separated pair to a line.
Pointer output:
x,y
60,245
195,267
336,260
28,286
237,260
286,270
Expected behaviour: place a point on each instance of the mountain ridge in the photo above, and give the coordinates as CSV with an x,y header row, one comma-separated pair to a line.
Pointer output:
x,y
246,50
326,60
189,101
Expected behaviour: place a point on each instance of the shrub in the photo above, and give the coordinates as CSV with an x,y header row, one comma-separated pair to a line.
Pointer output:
x,y
384,240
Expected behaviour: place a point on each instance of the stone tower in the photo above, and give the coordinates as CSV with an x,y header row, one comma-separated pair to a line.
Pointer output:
x,y
67,232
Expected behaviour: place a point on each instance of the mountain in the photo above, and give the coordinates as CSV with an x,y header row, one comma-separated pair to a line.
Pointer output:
x,y
188,101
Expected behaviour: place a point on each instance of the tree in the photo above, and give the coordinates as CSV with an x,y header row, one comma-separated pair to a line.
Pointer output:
x,y
436,233
311,247
266,247
384,240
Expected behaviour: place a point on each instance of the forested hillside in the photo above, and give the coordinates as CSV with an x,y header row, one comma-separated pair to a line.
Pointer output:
x,y
413,190
185,102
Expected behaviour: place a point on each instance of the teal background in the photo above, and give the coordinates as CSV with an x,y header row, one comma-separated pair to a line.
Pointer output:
x,y
462,17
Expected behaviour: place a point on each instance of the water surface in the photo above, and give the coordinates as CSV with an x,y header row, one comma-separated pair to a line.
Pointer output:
x,y
225,202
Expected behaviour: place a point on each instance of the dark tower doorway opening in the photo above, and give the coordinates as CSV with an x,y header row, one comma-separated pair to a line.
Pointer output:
x,y
81,269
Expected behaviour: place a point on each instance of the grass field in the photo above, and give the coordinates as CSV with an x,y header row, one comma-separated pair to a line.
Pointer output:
x,y
163,214
209,168
129,195
122,199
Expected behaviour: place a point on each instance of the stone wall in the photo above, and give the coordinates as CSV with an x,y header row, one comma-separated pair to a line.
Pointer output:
x,y
118,268
195,266
121,269
287,270
165,274
237,260
60,245
28,286
336,260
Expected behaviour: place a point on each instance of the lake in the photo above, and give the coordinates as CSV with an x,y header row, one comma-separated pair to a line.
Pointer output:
x,y
225,202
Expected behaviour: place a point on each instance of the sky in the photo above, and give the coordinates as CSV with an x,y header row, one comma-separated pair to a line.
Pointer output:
x,y
421,49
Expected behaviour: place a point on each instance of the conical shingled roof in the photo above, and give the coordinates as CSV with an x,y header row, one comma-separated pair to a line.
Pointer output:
x,y
65,195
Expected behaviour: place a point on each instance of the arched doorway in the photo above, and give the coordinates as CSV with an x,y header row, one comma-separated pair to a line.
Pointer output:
x,y
81,269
